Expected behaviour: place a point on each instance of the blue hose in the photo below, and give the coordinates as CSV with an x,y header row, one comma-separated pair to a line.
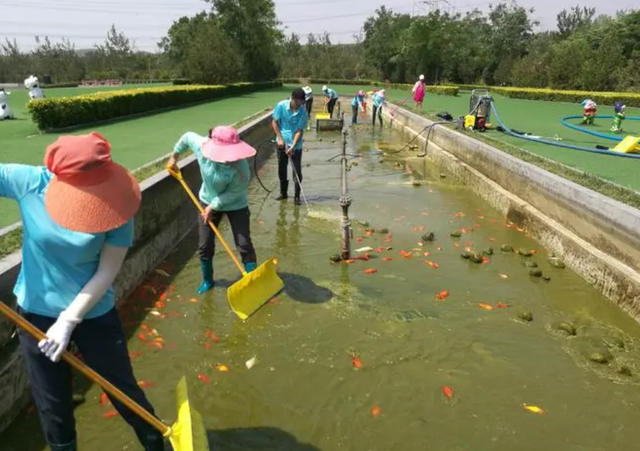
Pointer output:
x,y
564,122
555,143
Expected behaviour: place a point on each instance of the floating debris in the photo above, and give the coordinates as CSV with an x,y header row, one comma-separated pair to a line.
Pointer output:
x,y
567,327
444,294
251,362
488,251
375,411
476,257
204,378
535,272
456,234
506,248
526,315
428,237
503,276
502,305
162,273
525,252
530,264
370,271
557,263
78,399
600,357
485,306
222,368
365,249
466,255
382,230
335,258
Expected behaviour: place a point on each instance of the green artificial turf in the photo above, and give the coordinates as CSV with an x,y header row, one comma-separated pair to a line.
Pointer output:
x,y
543,119
134,142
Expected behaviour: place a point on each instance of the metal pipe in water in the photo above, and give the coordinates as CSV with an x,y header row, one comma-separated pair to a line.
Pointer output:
x,y
345,202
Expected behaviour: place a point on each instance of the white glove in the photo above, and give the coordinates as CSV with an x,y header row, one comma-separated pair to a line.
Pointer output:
x,y
58,336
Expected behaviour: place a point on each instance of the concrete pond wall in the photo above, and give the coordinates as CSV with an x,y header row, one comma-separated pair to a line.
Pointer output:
x,y
596,236
165,217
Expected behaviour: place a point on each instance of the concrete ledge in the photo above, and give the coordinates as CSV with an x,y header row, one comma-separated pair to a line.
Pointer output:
x,y
598,237
165,217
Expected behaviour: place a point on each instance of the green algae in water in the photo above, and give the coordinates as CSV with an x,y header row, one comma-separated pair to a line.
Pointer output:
x,y
410,345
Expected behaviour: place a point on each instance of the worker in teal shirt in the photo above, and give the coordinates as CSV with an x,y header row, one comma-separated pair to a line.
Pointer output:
x,y
378,102
77,219
225,172
357,103
330,99
289,122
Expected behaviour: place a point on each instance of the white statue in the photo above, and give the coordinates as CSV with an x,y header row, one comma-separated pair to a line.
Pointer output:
x,y
33,85
5,109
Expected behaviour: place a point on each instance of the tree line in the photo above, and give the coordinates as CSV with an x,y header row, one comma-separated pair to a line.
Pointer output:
x,y
243,40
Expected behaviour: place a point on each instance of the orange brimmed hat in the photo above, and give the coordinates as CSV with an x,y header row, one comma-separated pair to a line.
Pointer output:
x,y
89,193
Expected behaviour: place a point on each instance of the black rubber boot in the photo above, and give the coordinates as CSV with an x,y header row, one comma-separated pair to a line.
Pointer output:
x,y
284,188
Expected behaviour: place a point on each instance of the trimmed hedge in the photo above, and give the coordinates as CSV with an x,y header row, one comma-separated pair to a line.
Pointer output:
x,y
447,90
65,112
552,95
70,84
181,81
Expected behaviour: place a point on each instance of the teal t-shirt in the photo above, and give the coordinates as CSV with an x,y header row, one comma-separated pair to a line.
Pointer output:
x,y
357,102
290,122
378,100
56,262
224,186
330,93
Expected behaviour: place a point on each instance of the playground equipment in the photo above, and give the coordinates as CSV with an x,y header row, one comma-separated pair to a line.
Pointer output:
x,y
565,121
631,144
603,151
479,110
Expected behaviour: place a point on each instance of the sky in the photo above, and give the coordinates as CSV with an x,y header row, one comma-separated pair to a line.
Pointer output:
x,y
85,22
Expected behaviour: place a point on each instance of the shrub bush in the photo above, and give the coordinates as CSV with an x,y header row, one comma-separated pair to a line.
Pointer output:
x,y
181,81
64,112
552,95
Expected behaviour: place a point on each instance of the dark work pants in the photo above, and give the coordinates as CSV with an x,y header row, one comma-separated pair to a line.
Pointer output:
x,y
103,346
309,106
354,119
283,164
240,221
331,106
377,112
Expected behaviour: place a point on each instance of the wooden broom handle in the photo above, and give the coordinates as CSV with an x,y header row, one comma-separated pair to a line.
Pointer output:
x,y
178,176
79,365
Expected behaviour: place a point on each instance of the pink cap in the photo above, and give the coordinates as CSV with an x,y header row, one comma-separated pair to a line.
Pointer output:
x,y
225,146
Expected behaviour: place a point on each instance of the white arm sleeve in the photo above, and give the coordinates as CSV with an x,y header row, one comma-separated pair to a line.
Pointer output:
x,y
111,260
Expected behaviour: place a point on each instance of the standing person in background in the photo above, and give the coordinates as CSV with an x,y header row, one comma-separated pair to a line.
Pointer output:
x,y
357,104
330,99
418,91
77,215
378,102
289,122
222,158
308,100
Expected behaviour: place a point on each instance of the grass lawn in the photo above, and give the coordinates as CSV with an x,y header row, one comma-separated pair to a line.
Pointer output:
x,y
134,142
542,119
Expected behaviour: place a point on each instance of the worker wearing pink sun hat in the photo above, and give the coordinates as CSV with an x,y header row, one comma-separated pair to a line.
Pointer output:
x,y
222,157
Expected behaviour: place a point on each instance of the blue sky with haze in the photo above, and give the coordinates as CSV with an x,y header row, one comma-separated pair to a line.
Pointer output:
x,y
85,22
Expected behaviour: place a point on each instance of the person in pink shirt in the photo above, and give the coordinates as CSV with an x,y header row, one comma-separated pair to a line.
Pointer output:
x,y
419,90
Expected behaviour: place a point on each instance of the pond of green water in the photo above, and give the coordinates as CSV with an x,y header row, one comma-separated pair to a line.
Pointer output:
x,y
354,359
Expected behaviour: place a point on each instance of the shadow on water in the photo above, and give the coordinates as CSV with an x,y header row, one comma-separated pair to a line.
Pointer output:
x,y
256,439
303,289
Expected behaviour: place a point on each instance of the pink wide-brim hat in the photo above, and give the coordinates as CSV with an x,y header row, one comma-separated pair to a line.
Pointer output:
x,y
225,146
